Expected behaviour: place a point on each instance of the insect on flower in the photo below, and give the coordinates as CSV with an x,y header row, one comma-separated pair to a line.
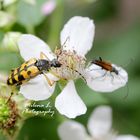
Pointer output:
x,y
109,76
31,69
71,56
105,65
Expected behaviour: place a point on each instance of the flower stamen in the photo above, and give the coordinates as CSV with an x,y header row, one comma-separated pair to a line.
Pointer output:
x,y
72,67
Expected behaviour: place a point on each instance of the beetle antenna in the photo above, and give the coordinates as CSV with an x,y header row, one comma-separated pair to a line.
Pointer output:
x,y
100,58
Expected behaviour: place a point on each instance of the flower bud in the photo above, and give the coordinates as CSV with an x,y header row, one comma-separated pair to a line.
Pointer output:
x,y
48,7
8,113
8,2
6,19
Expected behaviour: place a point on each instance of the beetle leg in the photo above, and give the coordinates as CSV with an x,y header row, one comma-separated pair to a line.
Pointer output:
x,y
43,56
50,82
56,75
12,92
10,97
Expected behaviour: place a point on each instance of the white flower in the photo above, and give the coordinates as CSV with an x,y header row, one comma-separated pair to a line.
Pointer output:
x,y
101,80
76,40
99,127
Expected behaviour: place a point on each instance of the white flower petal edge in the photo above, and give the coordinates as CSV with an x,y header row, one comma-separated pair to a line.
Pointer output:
x,y
127,137
31,46
100,121
71,130
98,80
78,34
69,103
37,89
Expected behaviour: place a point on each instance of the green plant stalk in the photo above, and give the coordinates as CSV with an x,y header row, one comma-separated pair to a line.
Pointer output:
x,y
55,24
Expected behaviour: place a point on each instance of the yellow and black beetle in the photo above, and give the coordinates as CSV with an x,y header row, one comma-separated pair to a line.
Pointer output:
x,y
31,69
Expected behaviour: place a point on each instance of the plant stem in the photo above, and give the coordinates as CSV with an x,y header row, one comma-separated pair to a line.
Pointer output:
x,y
30,29
55,25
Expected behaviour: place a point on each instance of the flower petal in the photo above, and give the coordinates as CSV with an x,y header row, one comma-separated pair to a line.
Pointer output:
x,y
31,46
71,130
126,137
37,89
69,103
101,80
78,34
100,122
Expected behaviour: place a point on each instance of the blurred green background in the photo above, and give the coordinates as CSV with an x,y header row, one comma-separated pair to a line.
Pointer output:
x,y
117,40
